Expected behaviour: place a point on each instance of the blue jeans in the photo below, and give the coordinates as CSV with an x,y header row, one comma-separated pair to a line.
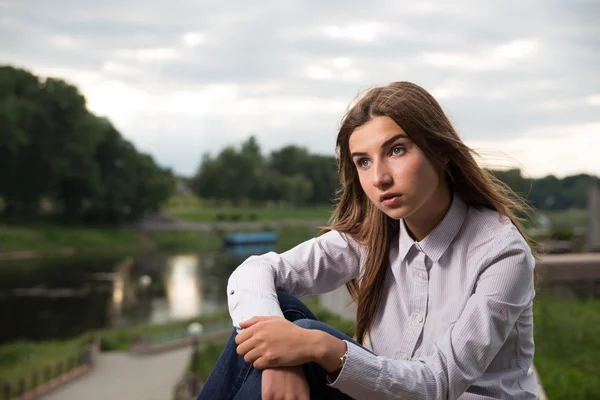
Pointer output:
x,y
233,378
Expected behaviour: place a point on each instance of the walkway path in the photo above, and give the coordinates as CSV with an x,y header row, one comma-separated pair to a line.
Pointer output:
x,y
120,376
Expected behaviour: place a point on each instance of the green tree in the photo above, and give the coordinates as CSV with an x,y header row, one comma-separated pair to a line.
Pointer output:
x,y
52,147
297,189
233,175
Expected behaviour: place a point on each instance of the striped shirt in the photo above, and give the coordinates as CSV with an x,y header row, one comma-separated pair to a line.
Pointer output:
x,y
455,319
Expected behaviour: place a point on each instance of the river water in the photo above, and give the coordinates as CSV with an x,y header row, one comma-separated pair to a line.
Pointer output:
x,y
62,298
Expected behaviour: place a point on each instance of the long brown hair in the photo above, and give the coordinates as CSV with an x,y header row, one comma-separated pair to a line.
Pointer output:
x,y
424,121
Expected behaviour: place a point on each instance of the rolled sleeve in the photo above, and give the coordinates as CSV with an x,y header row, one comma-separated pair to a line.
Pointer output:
x,y
316,266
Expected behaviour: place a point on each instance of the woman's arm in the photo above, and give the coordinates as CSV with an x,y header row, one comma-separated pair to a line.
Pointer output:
x,y
316,266
504,290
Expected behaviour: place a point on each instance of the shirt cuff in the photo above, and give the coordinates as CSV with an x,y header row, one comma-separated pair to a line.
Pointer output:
x,y
360,374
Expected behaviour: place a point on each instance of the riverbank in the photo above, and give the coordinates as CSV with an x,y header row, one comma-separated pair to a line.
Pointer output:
x,y
42,240
50,241
193,209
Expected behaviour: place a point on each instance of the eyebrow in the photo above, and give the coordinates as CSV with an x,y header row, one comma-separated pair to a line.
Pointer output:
x,y
384,145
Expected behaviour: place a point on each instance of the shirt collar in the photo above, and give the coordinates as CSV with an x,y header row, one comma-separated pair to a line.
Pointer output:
x,y
437,242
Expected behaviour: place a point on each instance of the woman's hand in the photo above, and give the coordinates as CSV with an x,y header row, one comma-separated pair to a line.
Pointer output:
x,y
287,383
270,342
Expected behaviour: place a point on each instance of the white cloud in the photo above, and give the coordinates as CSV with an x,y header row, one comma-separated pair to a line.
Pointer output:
x,y
565,147
520,48
342,62
339,69
359,32
120,68
450,90
193,39
157,54
318,73
594,100
64,42
499,57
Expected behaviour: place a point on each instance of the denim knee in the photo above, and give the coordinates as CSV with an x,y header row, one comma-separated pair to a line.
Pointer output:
x,y
286,297
308,324
292,307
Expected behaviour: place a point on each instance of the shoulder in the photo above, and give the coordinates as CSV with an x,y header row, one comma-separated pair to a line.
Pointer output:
x,y
340,241
488,235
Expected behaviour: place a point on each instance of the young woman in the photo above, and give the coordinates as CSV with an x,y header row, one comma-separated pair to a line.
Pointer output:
x,y
430,248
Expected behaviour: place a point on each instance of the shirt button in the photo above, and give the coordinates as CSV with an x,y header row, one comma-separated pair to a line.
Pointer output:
x,y
423,275
231,291
419,318
403,357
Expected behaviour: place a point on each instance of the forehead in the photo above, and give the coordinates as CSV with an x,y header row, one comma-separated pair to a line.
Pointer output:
x,y
373,134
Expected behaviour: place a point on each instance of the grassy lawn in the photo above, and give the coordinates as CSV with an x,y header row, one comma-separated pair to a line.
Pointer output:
x,y
197,210
250,214
189,241
570,218
567,338
49,238
186,241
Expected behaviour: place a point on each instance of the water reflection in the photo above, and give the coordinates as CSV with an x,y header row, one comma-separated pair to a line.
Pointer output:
x,y
183,290
43,300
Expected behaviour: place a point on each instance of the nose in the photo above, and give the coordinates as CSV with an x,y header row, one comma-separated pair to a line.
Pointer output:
x,y
382,177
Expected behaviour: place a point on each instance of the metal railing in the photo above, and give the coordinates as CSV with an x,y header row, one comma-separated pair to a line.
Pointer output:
x,y
34,383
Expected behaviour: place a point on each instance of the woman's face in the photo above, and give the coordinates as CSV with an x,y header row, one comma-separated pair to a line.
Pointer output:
x,y
393,171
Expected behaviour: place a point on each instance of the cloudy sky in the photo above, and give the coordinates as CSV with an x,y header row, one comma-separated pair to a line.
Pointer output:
x,y
520,79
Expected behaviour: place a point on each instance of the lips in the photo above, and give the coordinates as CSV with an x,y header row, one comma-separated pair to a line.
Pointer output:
x,y
388,196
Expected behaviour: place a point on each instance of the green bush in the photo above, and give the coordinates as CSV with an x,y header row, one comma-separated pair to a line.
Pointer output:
x,y
19,360
123,338
567,338
562,233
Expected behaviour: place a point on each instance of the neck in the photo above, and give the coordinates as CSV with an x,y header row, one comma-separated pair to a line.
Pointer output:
x,y
421,223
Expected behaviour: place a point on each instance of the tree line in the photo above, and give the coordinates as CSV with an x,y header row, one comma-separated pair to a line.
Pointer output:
x,y
550,192
294,176
290,175
54,151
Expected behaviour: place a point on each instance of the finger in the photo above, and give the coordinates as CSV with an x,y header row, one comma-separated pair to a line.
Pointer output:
x,y
245,347
262,362
259,363
254,320
252,356
243,336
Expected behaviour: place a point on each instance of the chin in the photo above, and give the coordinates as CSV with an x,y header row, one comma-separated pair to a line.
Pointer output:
x,y
398,213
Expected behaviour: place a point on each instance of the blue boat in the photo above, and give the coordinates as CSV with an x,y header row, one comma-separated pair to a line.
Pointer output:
x,y
246,250
249,238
